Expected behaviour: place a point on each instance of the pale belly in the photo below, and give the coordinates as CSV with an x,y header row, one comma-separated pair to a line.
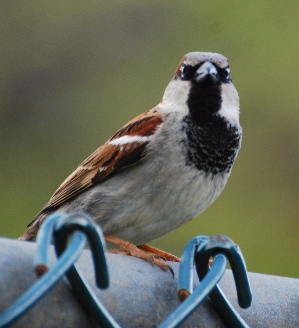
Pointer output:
x,y
140,208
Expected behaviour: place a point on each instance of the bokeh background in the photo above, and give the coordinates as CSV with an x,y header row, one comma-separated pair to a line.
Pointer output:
x,y
73,72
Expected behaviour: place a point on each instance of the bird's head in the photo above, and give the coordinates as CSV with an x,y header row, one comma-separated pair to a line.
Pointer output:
x,y
202,80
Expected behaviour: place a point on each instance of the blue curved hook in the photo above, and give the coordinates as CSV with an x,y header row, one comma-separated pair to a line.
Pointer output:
x,y
33,294
67,226
224,245
220,244
199,295
186,267
64,227
200,250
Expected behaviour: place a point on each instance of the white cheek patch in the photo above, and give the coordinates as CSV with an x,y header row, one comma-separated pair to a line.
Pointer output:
x,y
128,139
230,104
177,92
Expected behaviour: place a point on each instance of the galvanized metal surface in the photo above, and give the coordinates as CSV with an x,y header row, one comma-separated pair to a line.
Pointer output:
x,y
140,294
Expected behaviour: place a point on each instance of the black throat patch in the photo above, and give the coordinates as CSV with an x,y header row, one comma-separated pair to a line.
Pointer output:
x,y
212,143
204,99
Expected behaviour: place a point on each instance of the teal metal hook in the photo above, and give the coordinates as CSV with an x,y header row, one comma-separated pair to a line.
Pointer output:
x,y
65,228
185,278
201,292
33,294
220,244
224,245
67,225
200,250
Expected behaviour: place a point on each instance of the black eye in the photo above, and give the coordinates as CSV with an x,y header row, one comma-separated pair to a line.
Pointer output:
x,y
183,70
227,72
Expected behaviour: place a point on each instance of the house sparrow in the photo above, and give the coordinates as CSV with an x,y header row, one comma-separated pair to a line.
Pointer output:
x,y
164,167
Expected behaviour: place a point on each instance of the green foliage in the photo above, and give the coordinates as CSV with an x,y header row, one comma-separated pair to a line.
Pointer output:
x,y
73,72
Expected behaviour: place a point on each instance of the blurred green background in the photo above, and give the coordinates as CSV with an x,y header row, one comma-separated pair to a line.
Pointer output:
x,y
73,72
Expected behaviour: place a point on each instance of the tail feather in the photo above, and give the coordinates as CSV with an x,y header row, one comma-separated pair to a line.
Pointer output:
x,y
32,229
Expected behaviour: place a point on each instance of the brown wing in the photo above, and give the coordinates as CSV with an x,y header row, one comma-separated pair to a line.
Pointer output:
x,y
105,161
99,166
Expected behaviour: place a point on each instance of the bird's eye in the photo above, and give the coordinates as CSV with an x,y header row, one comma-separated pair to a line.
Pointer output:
x,y
227,72
183,69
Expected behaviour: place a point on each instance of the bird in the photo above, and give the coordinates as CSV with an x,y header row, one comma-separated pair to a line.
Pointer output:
x,y
164,167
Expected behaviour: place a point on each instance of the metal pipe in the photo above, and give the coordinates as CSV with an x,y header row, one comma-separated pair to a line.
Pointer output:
x,y
140,294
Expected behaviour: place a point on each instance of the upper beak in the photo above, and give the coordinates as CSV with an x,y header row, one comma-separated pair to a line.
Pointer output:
x,y
207,70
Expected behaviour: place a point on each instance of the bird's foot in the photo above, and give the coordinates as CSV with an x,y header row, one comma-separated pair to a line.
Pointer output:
x,y
130,249
158,252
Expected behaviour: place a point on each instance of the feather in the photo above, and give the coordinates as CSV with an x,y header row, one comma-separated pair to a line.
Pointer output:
x,y
108,159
